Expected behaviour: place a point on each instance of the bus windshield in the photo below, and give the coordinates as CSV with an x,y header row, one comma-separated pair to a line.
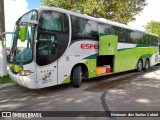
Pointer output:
x,y
22,51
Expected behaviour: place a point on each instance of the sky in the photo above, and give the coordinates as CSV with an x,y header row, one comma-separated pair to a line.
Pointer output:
x,y
15,8
149,13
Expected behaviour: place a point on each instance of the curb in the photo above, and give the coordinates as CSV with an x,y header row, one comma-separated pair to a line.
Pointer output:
x,y
7,85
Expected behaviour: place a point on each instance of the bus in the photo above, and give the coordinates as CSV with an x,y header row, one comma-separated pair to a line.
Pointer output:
x,y
53,46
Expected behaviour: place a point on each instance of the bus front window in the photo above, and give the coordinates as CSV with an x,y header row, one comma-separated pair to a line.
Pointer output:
x,y
22,50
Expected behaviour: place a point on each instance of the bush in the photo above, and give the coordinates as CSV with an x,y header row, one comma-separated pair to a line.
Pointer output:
x,y
5,79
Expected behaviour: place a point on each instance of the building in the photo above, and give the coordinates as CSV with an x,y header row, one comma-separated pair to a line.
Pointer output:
x,y
2,19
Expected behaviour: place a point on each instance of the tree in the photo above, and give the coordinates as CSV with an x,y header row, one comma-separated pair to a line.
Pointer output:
x,y
122,11
153,27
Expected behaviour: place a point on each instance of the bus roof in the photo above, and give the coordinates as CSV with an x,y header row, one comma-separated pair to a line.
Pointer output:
x,y
102,20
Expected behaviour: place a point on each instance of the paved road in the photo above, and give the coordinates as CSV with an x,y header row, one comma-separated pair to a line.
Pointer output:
x,y
129,91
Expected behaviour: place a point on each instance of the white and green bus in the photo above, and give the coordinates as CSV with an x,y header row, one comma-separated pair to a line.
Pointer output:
x,y
53,46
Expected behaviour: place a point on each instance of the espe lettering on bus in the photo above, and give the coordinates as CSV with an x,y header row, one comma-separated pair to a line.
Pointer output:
x,y
89,46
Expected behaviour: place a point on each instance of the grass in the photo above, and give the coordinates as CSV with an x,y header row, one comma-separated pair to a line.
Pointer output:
x,y
5,79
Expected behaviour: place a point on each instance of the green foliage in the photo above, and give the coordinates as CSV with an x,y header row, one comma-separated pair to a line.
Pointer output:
x,y
5,79
117,10
153,27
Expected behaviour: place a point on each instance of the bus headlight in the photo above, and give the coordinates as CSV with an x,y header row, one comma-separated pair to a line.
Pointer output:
x,y
25,72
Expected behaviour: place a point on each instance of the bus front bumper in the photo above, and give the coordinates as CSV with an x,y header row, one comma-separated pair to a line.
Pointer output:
x,y
26,81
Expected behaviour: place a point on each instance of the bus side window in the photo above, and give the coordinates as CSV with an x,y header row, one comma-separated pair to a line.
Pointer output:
x,y
136,37
91,29
84,29
128,37
45,45
46,50
104,29
113,30
122,35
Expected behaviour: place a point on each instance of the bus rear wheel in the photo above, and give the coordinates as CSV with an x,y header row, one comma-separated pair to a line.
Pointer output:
x,y
77,77
147,64
139,65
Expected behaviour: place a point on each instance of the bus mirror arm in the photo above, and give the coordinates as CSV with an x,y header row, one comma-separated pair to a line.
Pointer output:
x,y
3,37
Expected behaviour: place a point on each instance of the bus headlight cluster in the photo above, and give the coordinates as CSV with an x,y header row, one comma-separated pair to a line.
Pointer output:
x,y
24,72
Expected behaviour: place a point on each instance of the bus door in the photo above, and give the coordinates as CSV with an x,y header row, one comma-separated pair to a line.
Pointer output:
x,y
46,58
53,39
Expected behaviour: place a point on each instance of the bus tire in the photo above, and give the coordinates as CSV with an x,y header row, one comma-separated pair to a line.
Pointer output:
x,y
147,64
139,65
77,76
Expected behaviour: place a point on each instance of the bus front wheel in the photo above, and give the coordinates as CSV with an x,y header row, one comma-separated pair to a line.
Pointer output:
x,y
139,65
77,76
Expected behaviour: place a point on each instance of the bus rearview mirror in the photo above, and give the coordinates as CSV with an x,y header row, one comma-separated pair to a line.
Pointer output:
x,y
22,33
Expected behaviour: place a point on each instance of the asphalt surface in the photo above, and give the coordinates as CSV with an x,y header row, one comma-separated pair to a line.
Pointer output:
x,y
128,91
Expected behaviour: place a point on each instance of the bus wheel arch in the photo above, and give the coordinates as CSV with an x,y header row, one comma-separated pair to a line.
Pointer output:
x,y
139,65
78,73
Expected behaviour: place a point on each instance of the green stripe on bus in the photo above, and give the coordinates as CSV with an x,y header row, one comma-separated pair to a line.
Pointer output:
x,y
67,80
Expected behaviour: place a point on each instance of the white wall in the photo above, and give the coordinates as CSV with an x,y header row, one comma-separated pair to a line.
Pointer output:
x,y
3,61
